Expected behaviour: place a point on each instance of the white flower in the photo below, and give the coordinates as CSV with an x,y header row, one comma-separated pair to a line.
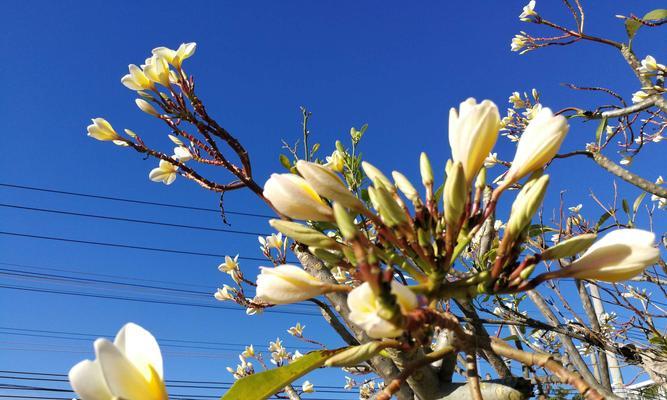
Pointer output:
x,y
626,160
365,309
639,96
165,173
287,284
518,42
307,387
224,294
157,70
336,161
230,264
618,256
649,64
473,132
274,241
660,180
538,144
297,354
248,352
296,330
182,153
516,100
491,160
102,130
326,183
532,112
576,208
528,11
176,57
136,79
293,196
129,368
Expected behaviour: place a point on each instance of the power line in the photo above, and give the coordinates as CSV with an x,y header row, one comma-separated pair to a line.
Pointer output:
x,y
134,201
132,220
133,299
125,246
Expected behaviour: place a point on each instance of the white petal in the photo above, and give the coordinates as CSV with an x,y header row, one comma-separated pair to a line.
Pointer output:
x,y
88,382
123,378
141,348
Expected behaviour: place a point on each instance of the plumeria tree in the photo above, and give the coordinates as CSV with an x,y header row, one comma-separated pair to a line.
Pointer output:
x,y
414,279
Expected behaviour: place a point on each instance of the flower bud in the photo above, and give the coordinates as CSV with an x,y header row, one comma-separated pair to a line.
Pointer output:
x,y
328,184
392,214
569,247
287,284
304,234
376,176
345,222
355,355
526,204
102,130
325,255
425,170
481,179
539,143
404,185
618,256
473,132
455,195
366,308
293,196
146,107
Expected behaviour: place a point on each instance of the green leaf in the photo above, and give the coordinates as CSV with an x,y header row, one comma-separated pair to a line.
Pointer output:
x,y
632,26
637,203
604,217
626,206
316,147
265,384
598,132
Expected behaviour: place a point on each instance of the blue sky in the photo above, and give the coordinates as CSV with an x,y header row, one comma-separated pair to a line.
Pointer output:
x,y
398,67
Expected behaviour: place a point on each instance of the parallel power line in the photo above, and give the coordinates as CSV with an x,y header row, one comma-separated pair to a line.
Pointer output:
x,y
134,201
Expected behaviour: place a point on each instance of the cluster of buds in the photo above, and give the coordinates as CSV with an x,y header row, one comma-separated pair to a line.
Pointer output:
x,y
408,236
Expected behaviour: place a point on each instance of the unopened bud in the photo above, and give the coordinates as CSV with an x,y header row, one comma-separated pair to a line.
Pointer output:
x,y
526,204
376,176
353,356
455,195
426,170
525,274
481,179
392,214
304,234
146,107
325,255
569,247
326,183
405,186
345,222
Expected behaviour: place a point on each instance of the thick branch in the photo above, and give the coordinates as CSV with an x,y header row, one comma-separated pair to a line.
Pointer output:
x,y
628,176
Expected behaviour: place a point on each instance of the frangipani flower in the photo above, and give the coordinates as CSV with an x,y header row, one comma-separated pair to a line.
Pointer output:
x,y
307,387
165,173
336,161
230,264
157,70
639,96
293,196
365,309
618,256
649,64
136,79
286,284
176,57
539,143
518,42
528,11
473,132
129,368
102,130
146,107
182,153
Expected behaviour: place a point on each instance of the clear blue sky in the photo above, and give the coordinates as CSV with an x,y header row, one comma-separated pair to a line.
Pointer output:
x,y
398,67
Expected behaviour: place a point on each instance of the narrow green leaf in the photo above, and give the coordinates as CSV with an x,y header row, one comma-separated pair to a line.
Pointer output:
x,y
600,130
285,162
637,203
604,217
626,206
265,384
632,26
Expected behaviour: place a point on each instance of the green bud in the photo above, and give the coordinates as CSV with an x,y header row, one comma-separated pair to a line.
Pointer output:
x,y
355,355
481,179
349,255
404,185
345,222
325,255
569,247
392,214
425,169
423,237
339,147
455,195
304,234
526,204
525,274
376,176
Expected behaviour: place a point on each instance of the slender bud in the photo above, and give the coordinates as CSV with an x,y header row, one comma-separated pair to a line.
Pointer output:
x,y
304,234
425,169
392,214
455,195
376,176
102,130
146,107
355,355
293,196
481,179
325,255
366,309
328,184
286,284
345,222
526,204
569,247
404,185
